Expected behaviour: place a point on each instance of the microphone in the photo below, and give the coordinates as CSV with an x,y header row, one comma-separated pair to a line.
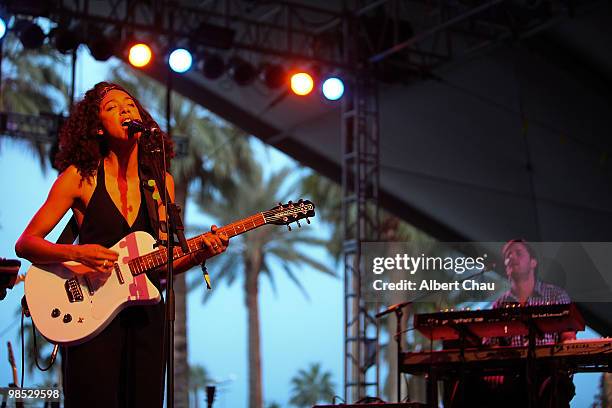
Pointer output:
x,y
134,126
393,308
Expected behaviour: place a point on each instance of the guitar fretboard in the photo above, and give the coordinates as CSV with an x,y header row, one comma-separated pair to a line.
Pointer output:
x,y
159,257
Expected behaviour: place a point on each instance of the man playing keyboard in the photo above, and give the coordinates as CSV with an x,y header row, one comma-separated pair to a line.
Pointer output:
x,y
521,264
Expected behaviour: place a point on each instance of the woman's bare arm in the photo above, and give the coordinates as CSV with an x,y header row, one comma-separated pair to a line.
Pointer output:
x,y
32,244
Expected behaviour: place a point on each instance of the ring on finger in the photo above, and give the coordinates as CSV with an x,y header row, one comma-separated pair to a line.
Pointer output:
x,y
104,264
215,246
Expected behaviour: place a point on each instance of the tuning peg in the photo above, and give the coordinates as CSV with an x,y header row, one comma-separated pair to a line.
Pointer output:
x,y
298,223
290,204
280,204
307,220
289,227
301,202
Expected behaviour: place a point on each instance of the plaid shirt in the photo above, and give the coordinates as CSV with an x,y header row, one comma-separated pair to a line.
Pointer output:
x,y
543,293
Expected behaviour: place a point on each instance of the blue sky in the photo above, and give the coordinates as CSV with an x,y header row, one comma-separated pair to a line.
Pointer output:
x,y
295,331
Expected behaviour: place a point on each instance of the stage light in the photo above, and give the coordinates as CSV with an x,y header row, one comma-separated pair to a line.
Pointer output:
x,y
273,75
101,47
139,55
301,83
213,66
333,88
241,71
66,40
214,36
30,34
180,60
2,27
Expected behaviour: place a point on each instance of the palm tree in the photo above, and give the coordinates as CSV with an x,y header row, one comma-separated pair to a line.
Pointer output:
x,y
252,255
215,152
603,399
311,386
198,380
328,195
394,232
32,84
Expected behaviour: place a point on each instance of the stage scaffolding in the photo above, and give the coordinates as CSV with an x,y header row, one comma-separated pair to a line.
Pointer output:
x,y
368,41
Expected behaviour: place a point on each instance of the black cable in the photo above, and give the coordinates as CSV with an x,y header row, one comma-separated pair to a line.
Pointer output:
x,y
22,348
36,354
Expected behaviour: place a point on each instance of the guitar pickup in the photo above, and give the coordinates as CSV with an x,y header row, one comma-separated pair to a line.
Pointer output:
x,y
73,290
118,273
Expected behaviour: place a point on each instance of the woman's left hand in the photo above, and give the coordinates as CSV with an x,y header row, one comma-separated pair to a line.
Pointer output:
x,y
213,243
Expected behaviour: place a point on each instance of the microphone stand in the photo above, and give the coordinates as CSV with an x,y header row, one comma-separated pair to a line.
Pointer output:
x,y
397,308
157,164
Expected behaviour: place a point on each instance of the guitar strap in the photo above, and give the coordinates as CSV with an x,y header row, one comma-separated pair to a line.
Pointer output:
x,y
155,206
70,232
155,210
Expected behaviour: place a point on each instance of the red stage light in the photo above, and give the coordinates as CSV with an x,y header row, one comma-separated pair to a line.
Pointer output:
x,y
302,83
140,55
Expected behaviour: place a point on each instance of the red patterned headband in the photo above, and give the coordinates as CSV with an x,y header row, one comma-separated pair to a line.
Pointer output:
x,y
106,90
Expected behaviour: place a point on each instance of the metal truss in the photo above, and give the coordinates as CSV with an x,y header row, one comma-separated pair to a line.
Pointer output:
x,y
369,40
412,36
44,128
278,28
360,213
403,37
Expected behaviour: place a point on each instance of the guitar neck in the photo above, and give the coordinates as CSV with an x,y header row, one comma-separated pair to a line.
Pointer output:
x,y
159,257
11,359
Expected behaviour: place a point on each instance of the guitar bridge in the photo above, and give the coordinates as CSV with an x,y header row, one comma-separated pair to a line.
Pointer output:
x,y
73,290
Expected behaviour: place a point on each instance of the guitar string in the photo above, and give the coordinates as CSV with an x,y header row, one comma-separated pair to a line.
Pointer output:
x,y
251,219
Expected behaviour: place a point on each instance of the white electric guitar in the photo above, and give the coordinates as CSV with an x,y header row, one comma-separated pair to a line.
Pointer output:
x,y
69,308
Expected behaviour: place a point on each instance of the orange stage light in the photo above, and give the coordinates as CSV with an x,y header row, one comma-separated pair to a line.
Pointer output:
x,y
302,83
139,55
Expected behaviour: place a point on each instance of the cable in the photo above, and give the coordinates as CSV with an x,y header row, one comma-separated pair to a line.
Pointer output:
x,y
22,349
53,355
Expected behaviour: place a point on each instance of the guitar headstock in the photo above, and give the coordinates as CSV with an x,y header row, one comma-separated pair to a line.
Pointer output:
x,y
285,214
11,357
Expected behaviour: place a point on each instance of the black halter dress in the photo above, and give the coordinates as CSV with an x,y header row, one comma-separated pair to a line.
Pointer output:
x,y
123,366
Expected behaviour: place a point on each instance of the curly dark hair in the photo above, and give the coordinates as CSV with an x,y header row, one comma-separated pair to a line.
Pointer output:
x,y
79,141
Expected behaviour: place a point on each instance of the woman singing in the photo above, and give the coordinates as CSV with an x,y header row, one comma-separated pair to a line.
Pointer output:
x,y
99,181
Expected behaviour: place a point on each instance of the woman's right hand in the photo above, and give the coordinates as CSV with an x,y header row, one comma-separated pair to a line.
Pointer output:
x,y
96,257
